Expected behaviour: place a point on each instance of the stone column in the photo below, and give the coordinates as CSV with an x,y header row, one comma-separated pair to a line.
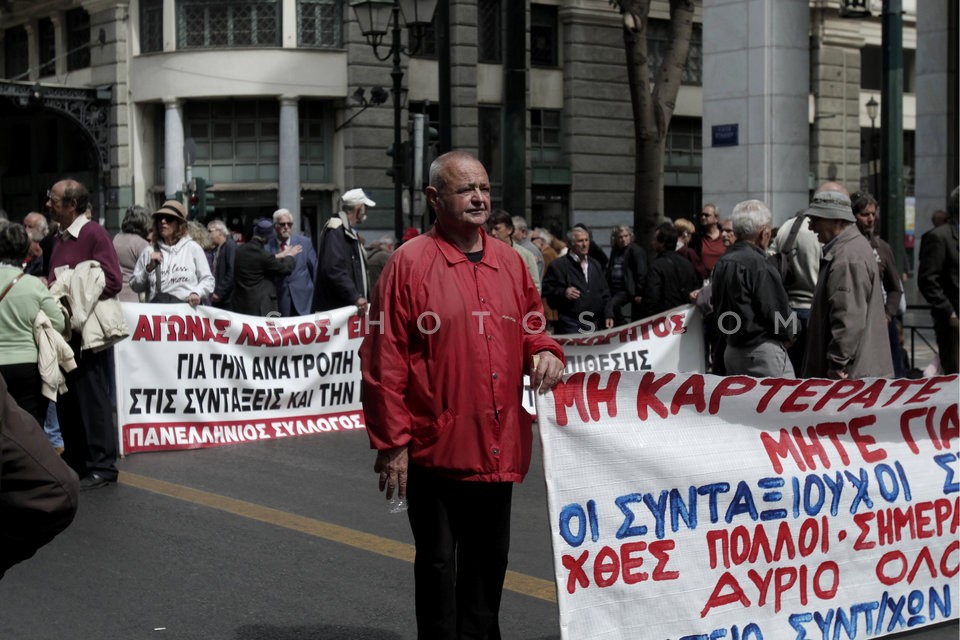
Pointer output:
x,y
59,44
174,169
936,144
288,21
756,77
33,53
288,193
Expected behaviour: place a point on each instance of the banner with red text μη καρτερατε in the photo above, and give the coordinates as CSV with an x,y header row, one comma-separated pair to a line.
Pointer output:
x,y
193,377
697,506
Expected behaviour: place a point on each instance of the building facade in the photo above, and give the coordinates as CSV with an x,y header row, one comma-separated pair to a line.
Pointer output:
x,y
270,102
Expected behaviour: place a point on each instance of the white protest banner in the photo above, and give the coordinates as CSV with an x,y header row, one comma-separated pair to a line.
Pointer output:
x,y
670,341
201,377
685,506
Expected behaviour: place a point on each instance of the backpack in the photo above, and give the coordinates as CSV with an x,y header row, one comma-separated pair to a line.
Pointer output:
x,y
783,260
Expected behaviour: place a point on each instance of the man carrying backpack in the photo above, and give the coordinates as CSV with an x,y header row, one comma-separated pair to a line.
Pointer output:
x,y
797,254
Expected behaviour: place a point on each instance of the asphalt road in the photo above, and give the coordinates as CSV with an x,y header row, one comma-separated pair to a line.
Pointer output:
x,y
280,540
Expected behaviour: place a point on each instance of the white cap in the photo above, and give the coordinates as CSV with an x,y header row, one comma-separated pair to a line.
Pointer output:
x,y
356,196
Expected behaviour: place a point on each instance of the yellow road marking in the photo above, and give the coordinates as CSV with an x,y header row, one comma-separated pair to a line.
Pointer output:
x,y
516,582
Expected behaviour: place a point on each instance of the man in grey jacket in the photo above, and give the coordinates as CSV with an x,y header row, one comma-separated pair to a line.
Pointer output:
x,y
847,334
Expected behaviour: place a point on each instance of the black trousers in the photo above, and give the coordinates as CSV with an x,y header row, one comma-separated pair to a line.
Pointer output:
x,y
462,535
38,491
947,341
26,387
86,415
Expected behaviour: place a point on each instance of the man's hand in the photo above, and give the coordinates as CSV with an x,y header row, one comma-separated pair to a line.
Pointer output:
x,y
193,299
546,371
571,293
608,323
362,305
291,250
392,465
837,374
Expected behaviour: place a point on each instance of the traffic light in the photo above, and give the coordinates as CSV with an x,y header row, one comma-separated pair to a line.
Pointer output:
x,y
199,199
404,162
193,203
206,197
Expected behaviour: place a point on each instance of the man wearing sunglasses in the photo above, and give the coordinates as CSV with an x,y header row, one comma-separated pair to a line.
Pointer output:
x,y
85,411
294,290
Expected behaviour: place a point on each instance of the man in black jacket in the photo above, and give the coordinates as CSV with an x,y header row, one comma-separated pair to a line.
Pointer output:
x,y
575,286
254,291
671,277
342,272
938,278
750,300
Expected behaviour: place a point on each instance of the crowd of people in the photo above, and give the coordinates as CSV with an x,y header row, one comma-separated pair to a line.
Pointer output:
x,y
820,297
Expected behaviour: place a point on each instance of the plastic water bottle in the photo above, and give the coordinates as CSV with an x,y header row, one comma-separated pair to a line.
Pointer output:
x,y
396,504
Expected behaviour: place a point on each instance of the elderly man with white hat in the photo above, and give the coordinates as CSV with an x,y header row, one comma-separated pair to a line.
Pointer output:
x,y
847,334
342,273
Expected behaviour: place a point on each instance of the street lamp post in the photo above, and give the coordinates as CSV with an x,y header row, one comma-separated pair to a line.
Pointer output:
x,y
374,17
872,106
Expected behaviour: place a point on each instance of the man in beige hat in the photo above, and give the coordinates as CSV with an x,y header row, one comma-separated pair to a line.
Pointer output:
x,y
847,334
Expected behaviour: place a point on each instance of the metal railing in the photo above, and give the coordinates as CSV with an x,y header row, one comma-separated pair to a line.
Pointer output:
x,y
918,325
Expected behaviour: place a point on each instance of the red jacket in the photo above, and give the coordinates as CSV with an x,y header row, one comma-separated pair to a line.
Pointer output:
x,y
451,392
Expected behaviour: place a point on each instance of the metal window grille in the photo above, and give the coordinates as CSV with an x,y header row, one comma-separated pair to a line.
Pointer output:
x,y
46,46
151,26
658,37
16,54
223,23
235,140
427,45
315,133
545,135
78,39
543,36
683,153
319,23
490,26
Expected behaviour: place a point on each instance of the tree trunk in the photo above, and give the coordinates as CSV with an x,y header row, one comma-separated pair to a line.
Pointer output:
x,y
653,105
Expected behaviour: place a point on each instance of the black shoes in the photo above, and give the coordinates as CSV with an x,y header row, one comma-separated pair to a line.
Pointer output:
x,y
94,481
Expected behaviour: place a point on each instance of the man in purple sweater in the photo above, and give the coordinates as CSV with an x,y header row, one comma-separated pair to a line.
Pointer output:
x,y
85,412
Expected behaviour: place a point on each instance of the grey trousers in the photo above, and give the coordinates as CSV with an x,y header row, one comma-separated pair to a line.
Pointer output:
x,y
768,359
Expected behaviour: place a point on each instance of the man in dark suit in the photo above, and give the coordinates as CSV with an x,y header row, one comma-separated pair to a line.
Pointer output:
x,y
254,292
224,263
575,286
937,277
294,291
